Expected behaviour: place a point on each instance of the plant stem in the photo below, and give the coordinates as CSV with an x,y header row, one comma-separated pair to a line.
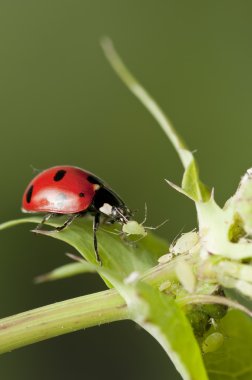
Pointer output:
x,y
74,314
78,313
61,318
145,98
71,315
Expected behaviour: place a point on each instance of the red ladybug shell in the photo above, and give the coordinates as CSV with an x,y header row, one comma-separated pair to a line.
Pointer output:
x,y
61,189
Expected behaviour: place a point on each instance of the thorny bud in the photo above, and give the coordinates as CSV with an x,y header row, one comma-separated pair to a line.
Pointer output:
x,y
242,202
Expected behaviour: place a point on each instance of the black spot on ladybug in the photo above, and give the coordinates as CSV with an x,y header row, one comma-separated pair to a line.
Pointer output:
x,y
59,175
94,180
81,195
29,194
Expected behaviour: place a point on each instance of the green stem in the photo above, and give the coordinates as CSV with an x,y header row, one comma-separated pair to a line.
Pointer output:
x,y
78,313
145,98
61,318
191,185
71,315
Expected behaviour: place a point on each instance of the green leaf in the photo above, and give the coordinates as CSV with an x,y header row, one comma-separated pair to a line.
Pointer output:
x,y
162,317
233,359
117,256
179,189
68,270
164,320
191,183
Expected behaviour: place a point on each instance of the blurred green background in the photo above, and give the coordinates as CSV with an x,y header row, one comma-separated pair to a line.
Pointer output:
x,y
60,103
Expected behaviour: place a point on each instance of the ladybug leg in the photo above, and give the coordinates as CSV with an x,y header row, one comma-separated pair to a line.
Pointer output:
x,y
67,222
108,220
96,223
45,219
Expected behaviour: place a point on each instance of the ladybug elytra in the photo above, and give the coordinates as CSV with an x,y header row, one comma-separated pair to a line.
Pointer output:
x,y
74,192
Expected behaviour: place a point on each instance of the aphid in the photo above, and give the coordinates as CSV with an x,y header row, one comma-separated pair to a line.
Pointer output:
x,y
187,242
212,342
132,227
74,192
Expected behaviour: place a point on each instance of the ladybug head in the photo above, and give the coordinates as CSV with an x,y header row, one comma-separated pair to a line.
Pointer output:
x,y
110,204
119,214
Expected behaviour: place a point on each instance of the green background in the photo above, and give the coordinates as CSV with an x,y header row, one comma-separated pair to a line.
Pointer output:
x,y
60,103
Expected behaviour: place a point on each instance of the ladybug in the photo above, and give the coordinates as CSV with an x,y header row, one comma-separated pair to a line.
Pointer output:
x,y
74,192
